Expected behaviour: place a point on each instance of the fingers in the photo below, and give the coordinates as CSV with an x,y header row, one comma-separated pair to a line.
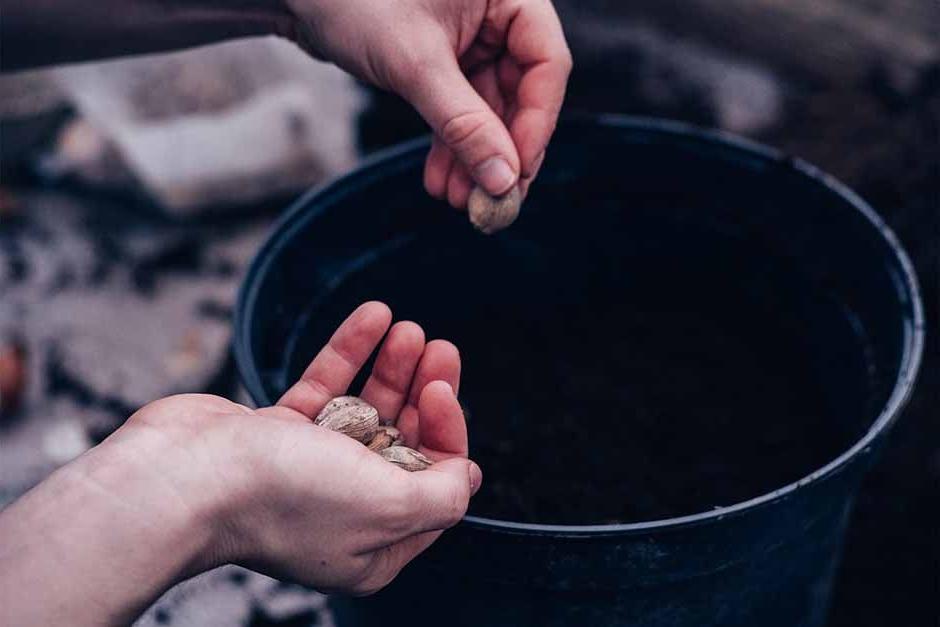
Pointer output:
x,y
441,424
460,183
486,82
526,181
437,499
443,178
441,494
437,168
440,362
525,87
464,122
536,43
459,186
334,368
389,385
509,75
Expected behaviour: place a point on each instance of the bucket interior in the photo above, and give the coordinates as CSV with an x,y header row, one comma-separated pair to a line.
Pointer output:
x,y
673,324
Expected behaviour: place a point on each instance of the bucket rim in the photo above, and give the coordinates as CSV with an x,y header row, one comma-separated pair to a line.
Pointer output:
x,y
906,284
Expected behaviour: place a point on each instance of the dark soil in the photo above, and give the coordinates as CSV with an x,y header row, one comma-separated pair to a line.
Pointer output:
x,y
687,386
669,381
632,415
884,144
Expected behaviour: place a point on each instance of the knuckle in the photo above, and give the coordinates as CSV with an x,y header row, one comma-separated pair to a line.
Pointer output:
x,y
466,131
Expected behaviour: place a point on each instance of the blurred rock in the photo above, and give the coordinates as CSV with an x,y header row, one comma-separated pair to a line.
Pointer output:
x,y
13,368
28,94
9,204
32,107
222,125
115,308
832,42
83,151
65,440
667,72
235,596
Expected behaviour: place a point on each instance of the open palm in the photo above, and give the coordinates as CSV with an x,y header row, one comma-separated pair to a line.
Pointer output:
x,y
297,501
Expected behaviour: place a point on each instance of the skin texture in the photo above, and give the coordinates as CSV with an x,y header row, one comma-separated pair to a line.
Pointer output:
x,y
194,481
488,76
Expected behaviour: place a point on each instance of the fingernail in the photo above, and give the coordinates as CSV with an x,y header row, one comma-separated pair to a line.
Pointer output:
x,y
476,478
495,176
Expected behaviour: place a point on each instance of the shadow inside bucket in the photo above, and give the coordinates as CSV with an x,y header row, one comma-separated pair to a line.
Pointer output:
x,y
677,321
629,352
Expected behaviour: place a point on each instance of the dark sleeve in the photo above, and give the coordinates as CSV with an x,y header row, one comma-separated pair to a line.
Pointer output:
x,y
46,32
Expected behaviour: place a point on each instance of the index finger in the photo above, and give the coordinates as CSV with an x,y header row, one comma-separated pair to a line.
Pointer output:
x,y
536,43
333,369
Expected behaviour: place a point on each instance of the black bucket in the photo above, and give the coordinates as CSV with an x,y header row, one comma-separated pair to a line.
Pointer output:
x,y
642,242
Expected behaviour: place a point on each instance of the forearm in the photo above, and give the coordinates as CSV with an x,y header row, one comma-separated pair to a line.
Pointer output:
x,y
44,32
95,543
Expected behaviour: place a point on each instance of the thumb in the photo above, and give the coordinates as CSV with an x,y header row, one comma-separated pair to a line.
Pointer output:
x,y
466,124
444,492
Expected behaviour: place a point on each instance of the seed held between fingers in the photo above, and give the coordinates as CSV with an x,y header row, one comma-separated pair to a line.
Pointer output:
x,y
490,214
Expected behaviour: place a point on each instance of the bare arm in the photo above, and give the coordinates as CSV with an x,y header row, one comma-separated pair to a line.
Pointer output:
x,y
43,32
489,76
194,481
96,543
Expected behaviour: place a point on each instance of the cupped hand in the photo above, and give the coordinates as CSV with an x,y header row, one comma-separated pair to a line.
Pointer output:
x,y
488,76
297,501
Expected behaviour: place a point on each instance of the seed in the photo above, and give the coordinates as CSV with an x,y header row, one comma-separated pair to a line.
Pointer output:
x,y
493,213
350,416
407,458
385,437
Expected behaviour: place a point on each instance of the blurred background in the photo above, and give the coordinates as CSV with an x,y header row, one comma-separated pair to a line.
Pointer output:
x,y
134,192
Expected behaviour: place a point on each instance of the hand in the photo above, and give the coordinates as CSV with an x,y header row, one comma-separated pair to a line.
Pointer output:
x,y
193,481
489,77
305,503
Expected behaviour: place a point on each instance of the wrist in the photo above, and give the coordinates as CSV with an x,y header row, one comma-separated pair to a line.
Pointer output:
x,y
129,482
102,534
191,486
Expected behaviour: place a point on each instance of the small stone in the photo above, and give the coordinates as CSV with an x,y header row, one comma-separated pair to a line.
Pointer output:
x,y
493,213
385,437
338,403
350,416
406,458
12,375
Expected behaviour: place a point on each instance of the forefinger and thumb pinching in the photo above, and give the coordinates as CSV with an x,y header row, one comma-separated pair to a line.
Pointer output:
x,y
466,125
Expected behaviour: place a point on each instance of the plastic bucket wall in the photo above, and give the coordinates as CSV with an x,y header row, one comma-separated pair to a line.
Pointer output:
x,y
764,561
